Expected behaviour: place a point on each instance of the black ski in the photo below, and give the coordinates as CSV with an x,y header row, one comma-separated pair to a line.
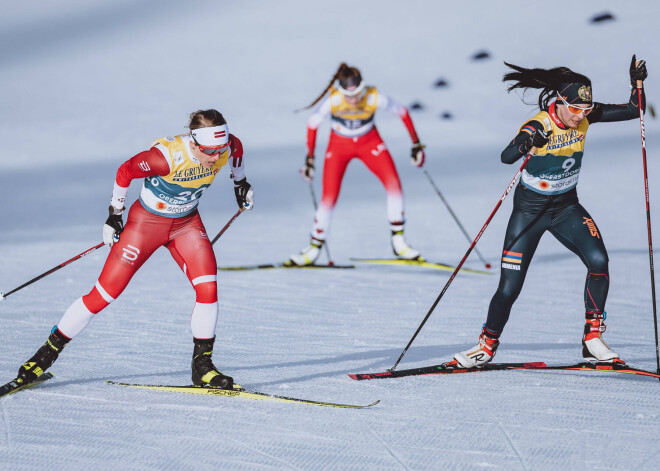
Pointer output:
x,y
452,368
13,386
286,264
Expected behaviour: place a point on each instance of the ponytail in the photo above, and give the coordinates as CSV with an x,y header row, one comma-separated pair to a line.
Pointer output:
x,y
343,73
548,80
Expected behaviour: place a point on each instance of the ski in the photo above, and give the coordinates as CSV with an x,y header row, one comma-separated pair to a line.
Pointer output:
x,y
443,369
286,264
418,263
618,367
13,386
452,368
239,393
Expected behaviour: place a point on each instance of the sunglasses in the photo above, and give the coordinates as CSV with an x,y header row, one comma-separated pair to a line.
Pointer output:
x,y
354,92
211,150
576,109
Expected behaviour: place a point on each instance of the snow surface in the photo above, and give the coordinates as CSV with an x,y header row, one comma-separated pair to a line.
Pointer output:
x,y
85,85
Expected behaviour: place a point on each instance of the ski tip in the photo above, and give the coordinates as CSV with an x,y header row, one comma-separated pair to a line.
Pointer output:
x,y
352,375
2,296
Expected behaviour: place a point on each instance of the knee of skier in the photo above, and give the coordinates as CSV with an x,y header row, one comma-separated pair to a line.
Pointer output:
x,y
97,299
207,292
598,263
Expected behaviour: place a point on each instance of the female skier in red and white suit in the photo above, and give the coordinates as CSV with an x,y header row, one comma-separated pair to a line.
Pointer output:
x,y
176,171
352,106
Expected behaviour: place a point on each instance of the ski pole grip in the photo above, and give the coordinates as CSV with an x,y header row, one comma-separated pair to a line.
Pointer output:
x,y
640,84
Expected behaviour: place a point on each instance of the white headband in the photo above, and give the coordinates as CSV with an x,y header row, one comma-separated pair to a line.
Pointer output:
x,y
212,137
359,88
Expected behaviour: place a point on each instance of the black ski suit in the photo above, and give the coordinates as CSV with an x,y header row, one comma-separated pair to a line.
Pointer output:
x,y
546,200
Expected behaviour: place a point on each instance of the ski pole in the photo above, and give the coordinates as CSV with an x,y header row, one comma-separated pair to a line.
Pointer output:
x,y
52,270
486,264
474,242
222,231
648,220
316,207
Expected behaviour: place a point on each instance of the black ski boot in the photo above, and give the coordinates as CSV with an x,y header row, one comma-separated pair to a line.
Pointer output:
x,y
204,373
43,359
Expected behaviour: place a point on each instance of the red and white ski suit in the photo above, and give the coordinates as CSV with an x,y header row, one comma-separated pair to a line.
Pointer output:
x,y
354,135
165,215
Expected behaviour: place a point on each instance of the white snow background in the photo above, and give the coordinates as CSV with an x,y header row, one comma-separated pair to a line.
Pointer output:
x,y
86,85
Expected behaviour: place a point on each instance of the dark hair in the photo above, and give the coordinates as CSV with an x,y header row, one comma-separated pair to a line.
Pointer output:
x,y
548,80
206,119
346,76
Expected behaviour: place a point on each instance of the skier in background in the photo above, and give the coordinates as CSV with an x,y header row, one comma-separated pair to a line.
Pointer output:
x,y
546,200
176,171
352,105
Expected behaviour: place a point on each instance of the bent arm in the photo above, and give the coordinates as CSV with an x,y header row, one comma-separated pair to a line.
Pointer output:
x,y
145,164
236,158
516,149
609,113
388,104
313,123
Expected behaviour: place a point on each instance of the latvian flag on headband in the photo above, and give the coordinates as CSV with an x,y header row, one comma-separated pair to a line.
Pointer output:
x,y
212,137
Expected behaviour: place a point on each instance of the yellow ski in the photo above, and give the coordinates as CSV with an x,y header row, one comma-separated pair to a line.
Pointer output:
x,y
239,393
13,386
418,263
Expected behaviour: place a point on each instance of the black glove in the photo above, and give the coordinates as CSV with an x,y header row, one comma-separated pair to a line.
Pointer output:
x,y
244,194
307,170
538,140
637,72
417,154
114,226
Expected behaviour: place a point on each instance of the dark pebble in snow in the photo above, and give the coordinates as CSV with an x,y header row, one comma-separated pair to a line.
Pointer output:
x,y
481,55
602,17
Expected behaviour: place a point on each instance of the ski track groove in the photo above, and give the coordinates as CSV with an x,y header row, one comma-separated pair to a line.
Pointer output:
x,y
389,450
643,464
275,459
513,447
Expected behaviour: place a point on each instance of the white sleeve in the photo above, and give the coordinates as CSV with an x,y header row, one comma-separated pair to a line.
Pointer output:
x,y
238,172
388,104
118,197
320,113
237,167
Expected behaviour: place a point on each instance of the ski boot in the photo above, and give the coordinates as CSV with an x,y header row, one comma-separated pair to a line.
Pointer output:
x,y
309,255
43,359
480,355
401,249
593,347
204,372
